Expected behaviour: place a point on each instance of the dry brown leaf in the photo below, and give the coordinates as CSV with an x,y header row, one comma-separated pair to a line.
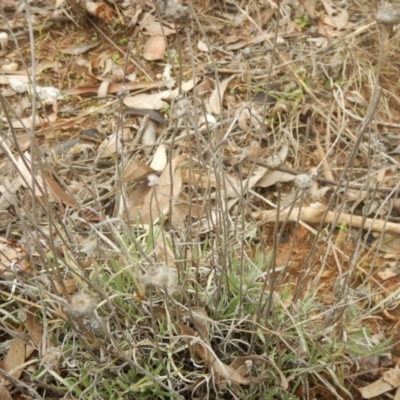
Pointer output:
x,y
136,171
114,87
194,209
248,120
217,96
153,27
34,326
137,197
233,38
5,80
201,321
184,87
4,393
235,189
392,376
272,177
389,243
103,89
58,191
8,254
67,285
23,140
267,14
81,49
154,48
26,123
132,14
200,181
152,101
376,388
225,375
198,352
8,192
164,253
253,40
112,144
158,200
309,5
389,272
183,211
15,357
204,87
25,176
177,219
159,160
149,137
339,16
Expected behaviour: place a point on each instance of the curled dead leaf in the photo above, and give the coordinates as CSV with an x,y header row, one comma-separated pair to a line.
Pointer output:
x,y
339,16
15,357
136,171
151,101
4,393
100,10
217,96
158,200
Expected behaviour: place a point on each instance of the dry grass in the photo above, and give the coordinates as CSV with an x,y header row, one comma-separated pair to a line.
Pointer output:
x,y
206,299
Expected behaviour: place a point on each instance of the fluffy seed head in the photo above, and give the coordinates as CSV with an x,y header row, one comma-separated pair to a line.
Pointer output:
x,y
304,181
163,277
274,162
51,357
81,305
389,16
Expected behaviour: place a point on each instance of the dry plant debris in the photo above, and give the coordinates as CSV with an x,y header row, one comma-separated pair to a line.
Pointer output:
x,y
199,199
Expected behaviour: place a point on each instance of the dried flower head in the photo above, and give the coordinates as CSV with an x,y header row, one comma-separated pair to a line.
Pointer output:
x,y
173,9
81,305
163,277
181,108
22,315
304,181
389,16
274,162
93,322
51,357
